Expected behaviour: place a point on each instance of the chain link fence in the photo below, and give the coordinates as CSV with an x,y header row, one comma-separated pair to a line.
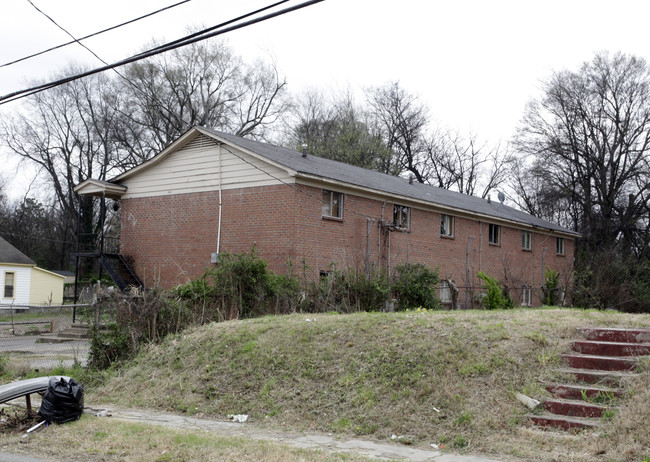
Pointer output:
x,y
35,338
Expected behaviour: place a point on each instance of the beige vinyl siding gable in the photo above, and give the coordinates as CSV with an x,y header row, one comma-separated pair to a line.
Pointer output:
x,y
195,168
46,288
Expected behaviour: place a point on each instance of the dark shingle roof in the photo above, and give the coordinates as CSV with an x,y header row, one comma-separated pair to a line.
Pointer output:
x,y
10,254
392,185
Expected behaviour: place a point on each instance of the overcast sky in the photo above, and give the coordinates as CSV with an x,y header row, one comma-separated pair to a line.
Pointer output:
x,y
475,63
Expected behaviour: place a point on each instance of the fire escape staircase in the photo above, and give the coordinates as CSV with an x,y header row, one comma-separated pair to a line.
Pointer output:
x,y
120,271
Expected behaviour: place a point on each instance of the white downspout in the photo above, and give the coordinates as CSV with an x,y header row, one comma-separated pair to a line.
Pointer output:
x,y
219,226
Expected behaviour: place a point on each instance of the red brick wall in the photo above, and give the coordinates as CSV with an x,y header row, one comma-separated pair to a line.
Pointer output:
x,y
170,238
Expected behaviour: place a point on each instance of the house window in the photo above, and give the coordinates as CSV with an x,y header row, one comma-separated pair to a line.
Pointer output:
x,y
9,285
559,245
401,216
494,234
446,225
527,296
445,292
332,204
526,240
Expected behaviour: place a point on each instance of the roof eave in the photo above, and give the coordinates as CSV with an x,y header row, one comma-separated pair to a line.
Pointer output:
x,y
100,188
453,210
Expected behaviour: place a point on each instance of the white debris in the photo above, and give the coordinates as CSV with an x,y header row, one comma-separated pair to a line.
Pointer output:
x,y
241,418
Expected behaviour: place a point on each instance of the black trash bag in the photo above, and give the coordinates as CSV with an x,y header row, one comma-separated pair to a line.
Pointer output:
x,y
63,401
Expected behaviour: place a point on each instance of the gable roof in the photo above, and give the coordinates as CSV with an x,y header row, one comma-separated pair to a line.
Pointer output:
x,y
318,167
10,254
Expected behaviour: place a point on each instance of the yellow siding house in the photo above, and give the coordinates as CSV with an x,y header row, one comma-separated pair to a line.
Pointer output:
x,y
24,283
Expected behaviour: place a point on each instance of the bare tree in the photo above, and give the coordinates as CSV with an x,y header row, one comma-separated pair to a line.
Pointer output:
x,y
589,138
465,164
202,84
403,120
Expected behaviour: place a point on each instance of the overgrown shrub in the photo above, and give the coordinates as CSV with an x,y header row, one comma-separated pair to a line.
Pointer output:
x,y
613,282
551,287
414,285
346,292
240,286
495,296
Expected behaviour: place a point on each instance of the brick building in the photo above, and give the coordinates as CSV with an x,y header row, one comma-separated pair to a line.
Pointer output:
x,y
211,192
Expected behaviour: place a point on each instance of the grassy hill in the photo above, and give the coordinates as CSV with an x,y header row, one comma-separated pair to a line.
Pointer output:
x,y
432,377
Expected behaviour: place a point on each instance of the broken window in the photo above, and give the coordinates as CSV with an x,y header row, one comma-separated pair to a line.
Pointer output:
x,y
494,234
332,204
446,225
401,216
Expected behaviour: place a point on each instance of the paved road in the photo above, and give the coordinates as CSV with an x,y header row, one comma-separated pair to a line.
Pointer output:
x,y
26,349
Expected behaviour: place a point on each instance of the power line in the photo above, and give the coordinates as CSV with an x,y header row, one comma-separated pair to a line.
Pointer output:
x,y
93,34
75,40
39,88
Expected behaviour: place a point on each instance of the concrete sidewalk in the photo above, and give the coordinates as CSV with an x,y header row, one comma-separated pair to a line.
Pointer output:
x,y
374,449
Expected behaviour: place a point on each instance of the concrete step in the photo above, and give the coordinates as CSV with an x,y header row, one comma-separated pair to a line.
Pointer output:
x,y
564,422
602,363
609,334
76,332
560,390
594,347
574,408
609,378
53,338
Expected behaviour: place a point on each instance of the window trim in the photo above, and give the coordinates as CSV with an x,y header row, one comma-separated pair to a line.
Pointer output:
x,y
559,246
498,234
526,300
400,208
526,238
328,206
452,225
12,286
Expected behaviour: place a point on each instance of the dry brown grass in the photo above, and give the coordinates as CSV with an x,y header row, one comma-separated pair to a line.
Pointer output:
x,y
436,377
101,439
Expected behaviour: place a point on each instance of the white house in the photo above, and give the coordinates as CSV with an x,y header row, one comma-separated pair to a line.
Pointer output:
x,y
24,283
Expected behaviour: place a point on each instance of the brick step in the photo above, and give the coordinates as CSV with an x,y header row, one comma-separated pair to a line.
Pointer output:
x,y
574,408
608,334
602,363
593,347
564,422
610,378
559,390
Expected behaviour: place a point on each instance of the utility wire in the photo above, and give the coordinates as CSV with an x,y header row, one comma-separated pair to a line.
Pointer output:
x,y
74,39
39,88
210,29
93,34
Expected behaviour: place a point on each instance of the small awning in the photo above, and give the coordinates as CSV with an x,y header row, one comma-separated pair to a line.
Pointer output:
x,y
100,189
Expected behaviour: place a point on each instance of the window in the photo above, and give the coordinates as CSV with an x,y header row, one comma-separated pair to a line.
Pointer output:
x,y
445,292
446,225
527,296
559,245
526,240
332,204
494,234
401,216
9,285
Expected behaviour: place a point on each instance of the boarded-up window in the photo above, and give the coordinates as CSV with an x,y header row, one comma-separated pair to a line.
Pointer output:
x,y
9,285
